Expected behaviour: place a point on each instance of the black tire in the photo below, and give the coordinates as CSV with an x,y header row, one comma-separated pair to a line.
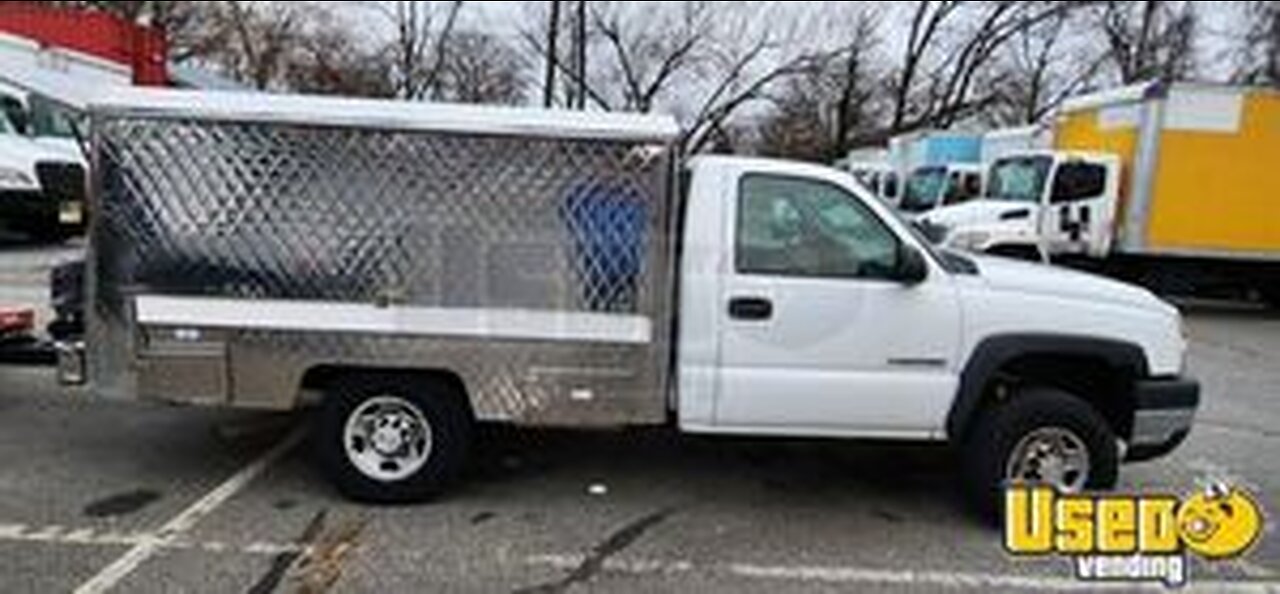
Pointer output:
x,y
990,442
445,412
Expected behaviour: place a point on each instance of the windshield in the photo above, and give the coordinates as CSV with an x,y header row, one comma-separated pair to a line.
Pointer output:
x,y
923,189
1019,179
5,126
49,120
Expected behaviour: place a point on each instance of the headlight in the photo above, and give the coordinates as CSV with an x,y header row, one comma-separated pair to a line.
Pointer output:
x,y
969,240
16,179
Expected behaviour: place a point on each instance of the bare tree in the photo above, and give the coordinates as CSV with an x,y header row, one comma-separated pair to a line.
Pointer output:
x,y
328,59
1150,39
836,104
649,58
857,87
926,22
418,50
703,61
951,47
580,54
483,69
1041,68
254,40
561,77
553,38
1258,51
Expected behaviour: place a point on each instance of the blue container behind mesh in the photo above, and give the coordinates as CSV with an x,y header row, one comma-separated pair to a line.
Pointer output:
x,y
607,222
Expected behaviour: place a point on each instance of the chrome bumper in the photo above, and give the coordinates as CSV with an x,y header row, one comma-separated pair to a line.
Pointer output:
x,y
1162,419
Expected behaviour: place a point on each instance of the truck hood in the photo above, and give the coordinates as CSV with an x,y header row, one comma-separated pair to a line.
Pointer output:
x,y
978,212
1008,274
62,149
23,153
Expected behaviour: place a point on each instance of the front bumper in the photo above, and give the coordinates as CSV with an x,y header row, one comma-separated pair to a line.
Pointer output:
x,y
29,211
1165,408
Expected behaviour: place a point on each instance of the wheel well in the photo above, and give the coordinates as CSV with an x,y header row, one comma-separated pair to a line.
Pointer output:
x,y
1093,379
320,377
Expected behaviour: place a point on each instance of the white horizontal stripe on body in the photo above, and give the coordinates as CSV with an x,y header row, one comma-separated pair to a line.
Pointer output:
x,y
337,316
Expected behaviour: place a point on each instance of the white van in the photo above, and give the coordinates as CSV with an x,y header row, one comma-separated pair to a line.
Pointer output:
x,y
42,169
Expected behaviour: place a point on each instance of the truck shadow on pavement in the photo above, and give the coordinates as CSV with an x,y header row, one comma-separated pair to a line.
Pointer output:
x,y
890,481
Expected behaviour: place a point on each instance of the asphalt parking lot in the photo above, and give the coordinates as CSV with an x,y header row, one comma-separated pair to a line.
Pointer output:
x,y
129,497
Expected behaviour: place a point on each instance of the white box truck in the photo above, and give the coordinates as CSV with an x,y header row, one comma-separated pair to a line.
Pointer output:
x,y
423,267
1173,186
939,168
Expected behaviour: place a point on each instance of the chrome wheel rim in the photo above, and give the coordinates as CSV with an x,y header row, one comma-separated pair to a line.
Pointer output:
x,y
387,438
1050,456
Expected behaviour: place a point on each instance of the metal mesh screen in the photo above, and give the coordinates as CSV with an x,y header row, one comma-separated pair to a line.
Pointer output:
x,y
293,212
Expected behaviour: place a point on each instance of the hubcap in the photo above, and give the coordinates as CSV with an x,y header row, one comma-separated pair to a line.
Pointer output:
x,y
1050,456
387,438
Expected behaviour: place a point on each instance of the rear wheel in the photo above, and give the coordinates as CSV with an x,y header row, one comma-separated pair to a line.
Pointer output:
x,y
1040,436
392,438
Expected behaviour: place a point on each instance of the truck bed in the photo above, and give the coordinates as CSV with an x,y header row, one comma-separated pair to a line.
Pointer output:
x,y
246,244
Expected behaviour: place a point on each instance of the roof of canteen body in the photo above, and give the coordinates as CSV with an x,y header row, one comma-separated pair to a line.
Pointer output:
x,y
321,110
384,114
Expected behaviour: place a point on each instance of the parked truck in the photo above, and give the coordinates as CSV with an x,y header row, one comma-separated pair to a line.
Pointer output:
x,y
1003,142
42,177
1172,186
413,269
873,168
940,168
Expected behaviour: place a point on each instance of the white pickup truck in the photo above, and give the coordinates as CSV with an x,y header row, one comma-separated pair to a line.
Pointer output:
x,y
414,269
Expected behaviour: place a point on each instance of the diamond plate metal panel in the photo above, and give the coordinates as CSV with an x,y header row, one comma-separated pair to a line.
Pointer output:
x,y
251,210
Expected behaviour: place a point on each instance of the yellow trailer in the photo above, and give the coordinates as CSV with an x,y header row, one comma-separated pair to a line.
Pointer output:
x,y
1174,186
1200,167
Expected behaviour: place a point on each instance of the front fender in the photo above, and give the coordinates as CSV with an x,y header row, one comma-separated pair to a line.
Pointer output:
x,y
994,352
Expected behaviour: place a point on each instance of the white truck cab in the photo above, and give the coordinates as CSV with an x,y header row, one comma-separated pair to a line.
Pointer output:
x,y
878,177
808,307
931,187
545,268
1039,203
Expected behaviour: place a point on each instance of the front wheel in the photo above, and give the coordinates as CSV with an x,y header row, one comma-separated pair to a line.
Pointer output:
x,y
1040,436
392,439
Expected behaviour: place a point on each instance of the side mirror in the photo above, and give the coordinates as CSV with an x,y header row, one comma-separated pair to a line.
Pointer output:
x,y
934,232
912,268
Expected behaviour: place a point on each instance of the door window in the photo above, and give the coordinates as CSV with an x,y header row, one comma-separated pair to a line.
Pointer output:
x,y
1078,181
799,227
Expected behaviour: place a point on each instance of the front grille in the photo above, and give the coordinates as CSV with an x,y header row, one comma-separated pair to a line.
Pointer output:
x,y
62,181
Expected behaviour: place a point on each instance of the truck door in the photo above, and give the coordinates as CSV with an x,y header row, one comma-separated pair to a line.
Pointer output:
x,y
1081,212
816,336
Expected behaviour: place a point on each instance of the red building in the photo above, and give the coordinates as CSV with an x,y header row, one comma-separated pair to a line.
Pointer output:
x,y
142,50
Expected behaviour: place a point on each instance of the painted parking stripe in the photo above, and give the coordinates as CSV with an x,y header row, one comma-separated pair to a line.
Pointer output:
x,y
173,530
96,537
868,576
